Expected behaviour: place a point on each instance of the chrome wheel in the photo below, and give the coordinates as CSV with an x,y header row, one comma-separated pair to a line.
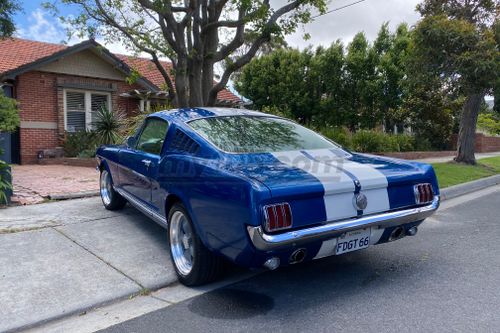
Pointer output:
x,y
106,187
181,242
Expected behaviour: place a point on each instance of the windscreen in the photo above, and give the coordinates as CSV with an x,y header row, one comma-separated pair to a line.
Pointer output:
x,y
256,134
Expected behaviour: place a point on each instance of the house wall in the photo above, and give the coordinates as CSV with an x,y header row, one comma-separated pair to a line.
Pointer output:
x,y
40,97
83,63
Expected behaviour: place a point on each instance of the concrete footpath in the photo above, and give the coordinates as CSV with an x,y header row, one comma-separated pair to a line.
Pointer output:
x,y
66,258
450,158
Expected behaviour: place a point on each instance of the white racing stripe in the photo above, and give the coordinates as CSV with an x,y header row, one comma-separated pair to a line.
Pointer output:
x,y
326,165
338,186
373,182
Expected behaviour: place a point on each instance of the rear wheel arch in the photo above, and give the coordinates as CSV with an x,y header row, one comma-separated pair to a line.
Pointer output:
x,y
171,200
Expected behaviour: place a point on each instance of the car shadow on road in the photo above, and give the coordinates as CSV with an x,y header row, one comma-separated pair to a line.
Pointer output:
x,y
362,275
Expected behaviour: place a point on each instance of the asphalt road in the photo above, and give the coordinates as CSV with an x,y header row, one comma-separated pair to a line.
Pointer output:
x,y
446,279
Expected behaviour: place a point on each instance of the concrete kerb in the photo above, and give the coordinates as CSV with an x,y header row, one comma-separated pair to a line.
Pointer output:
x,y
76,195
465,188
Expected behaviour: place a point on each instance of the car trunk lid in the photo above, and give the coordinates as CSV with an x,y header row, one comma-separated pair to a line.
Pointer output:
x,y
322,185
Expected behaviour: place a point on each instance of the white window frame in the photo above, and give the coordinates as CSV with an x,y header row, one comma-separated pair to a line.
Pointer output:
x,y
88,105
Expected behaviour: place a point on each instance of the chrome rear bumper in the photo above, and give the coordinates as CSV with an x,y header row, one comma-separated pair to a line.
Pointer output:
x,y
265,242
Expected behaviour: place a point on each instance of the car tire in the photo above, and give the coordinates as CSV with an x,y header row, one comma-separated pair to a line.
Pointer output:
x,y
194,264
111,199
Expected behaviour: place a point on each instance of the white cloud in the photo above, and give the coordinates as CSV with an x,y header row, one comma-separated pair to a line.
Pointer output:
x,y
366,16
44,27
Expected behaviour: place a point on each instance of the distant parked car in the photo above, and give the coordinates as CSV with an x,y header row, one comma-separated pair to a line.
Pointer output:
x,y
259,190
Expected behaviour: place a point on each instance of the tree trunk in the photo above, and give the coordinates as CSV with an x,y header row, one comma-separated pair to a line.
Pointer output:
x,y
467,132
207,80
211,43
181,83
195,93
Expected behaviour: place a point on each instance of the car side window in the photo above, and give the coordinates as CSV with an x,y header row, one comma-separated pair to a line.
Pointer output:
x,y
152,136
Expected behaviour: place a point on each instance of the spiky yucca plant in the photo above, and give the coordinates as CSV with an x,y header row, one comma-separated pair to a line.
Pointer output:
x,y
108,126
5,183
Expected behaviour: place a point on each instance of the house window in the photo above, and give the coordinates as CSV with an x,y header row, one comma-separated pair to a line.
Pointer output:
x,y
81,108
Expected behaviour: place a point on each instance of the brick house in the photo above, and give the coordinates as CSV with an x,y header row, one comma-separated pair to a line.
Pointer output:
x,y
59,88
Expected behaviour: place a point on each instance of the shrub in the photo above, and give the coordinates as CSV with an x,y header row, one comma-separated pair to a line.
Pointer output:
x,y
366,141
340,135
276,111
77,142
489,122
109,126
402,142
5,182
9,116
9,121
369,141
422,144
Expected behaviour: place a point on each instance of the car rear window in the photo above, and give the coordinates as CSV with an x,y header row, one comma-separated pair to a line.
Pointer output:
x,y
258,134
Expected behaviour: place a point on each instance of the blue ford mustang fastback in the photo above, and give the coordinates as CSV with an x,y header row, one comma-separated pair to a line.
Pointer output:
x,y
259,190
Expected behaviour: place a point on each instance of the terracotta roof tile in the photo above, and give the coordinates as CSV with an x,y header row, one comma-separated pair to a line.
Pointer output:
x,y
16,52
147,68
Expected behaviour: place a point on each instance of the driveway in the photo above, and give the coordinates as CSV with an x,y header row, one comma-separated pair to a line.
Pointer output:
x,y
38,183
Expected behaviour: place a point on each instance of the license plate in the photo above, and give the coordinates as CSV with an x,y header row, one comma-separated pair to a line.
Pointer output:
x,y
353,240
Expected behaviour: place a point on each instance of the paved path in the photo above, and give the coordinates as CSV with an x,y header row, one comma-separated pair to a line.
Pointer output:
x,y
443,280
36,183
450,158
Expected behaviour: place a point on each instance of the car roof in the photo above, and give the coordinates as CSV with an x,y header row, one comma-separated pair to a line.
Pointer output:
x,y
187,114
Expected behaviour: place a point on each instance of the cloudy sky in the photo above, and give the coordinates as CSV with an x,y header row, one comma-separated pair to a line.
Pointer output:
x,y
368,16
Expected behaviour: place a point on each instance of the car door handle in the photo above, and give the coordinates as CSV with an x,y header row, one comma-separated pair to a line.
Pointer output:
x,y
146,162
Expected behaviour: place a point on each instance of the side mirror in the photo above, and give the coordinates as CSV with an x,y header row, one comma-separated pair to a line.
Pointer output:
x,y
131,141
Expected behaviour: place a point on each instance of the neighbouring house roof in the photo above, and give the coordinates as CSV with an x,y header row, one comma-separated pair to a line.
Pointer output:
x,y
149,70
15,52
18,56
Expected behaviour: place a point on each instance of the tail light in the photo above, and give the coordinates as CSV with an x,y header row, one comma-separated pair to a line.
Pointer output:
x,y
423,193
277,217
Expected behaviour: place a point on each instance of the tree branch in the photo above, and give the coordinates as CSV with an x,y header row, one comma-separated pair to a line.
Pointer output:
x,y
140,46
171,33
244,59
237,41
164,73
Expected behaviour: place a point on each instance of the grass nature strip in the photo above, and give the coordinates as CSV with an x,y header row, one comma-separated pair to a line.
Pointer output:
x,y
451,173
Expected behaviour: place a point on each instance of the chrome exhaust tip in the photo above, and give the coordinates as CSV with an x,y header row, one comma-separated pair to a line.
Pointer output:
x,y
297,256
396,234
272,263
412,231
